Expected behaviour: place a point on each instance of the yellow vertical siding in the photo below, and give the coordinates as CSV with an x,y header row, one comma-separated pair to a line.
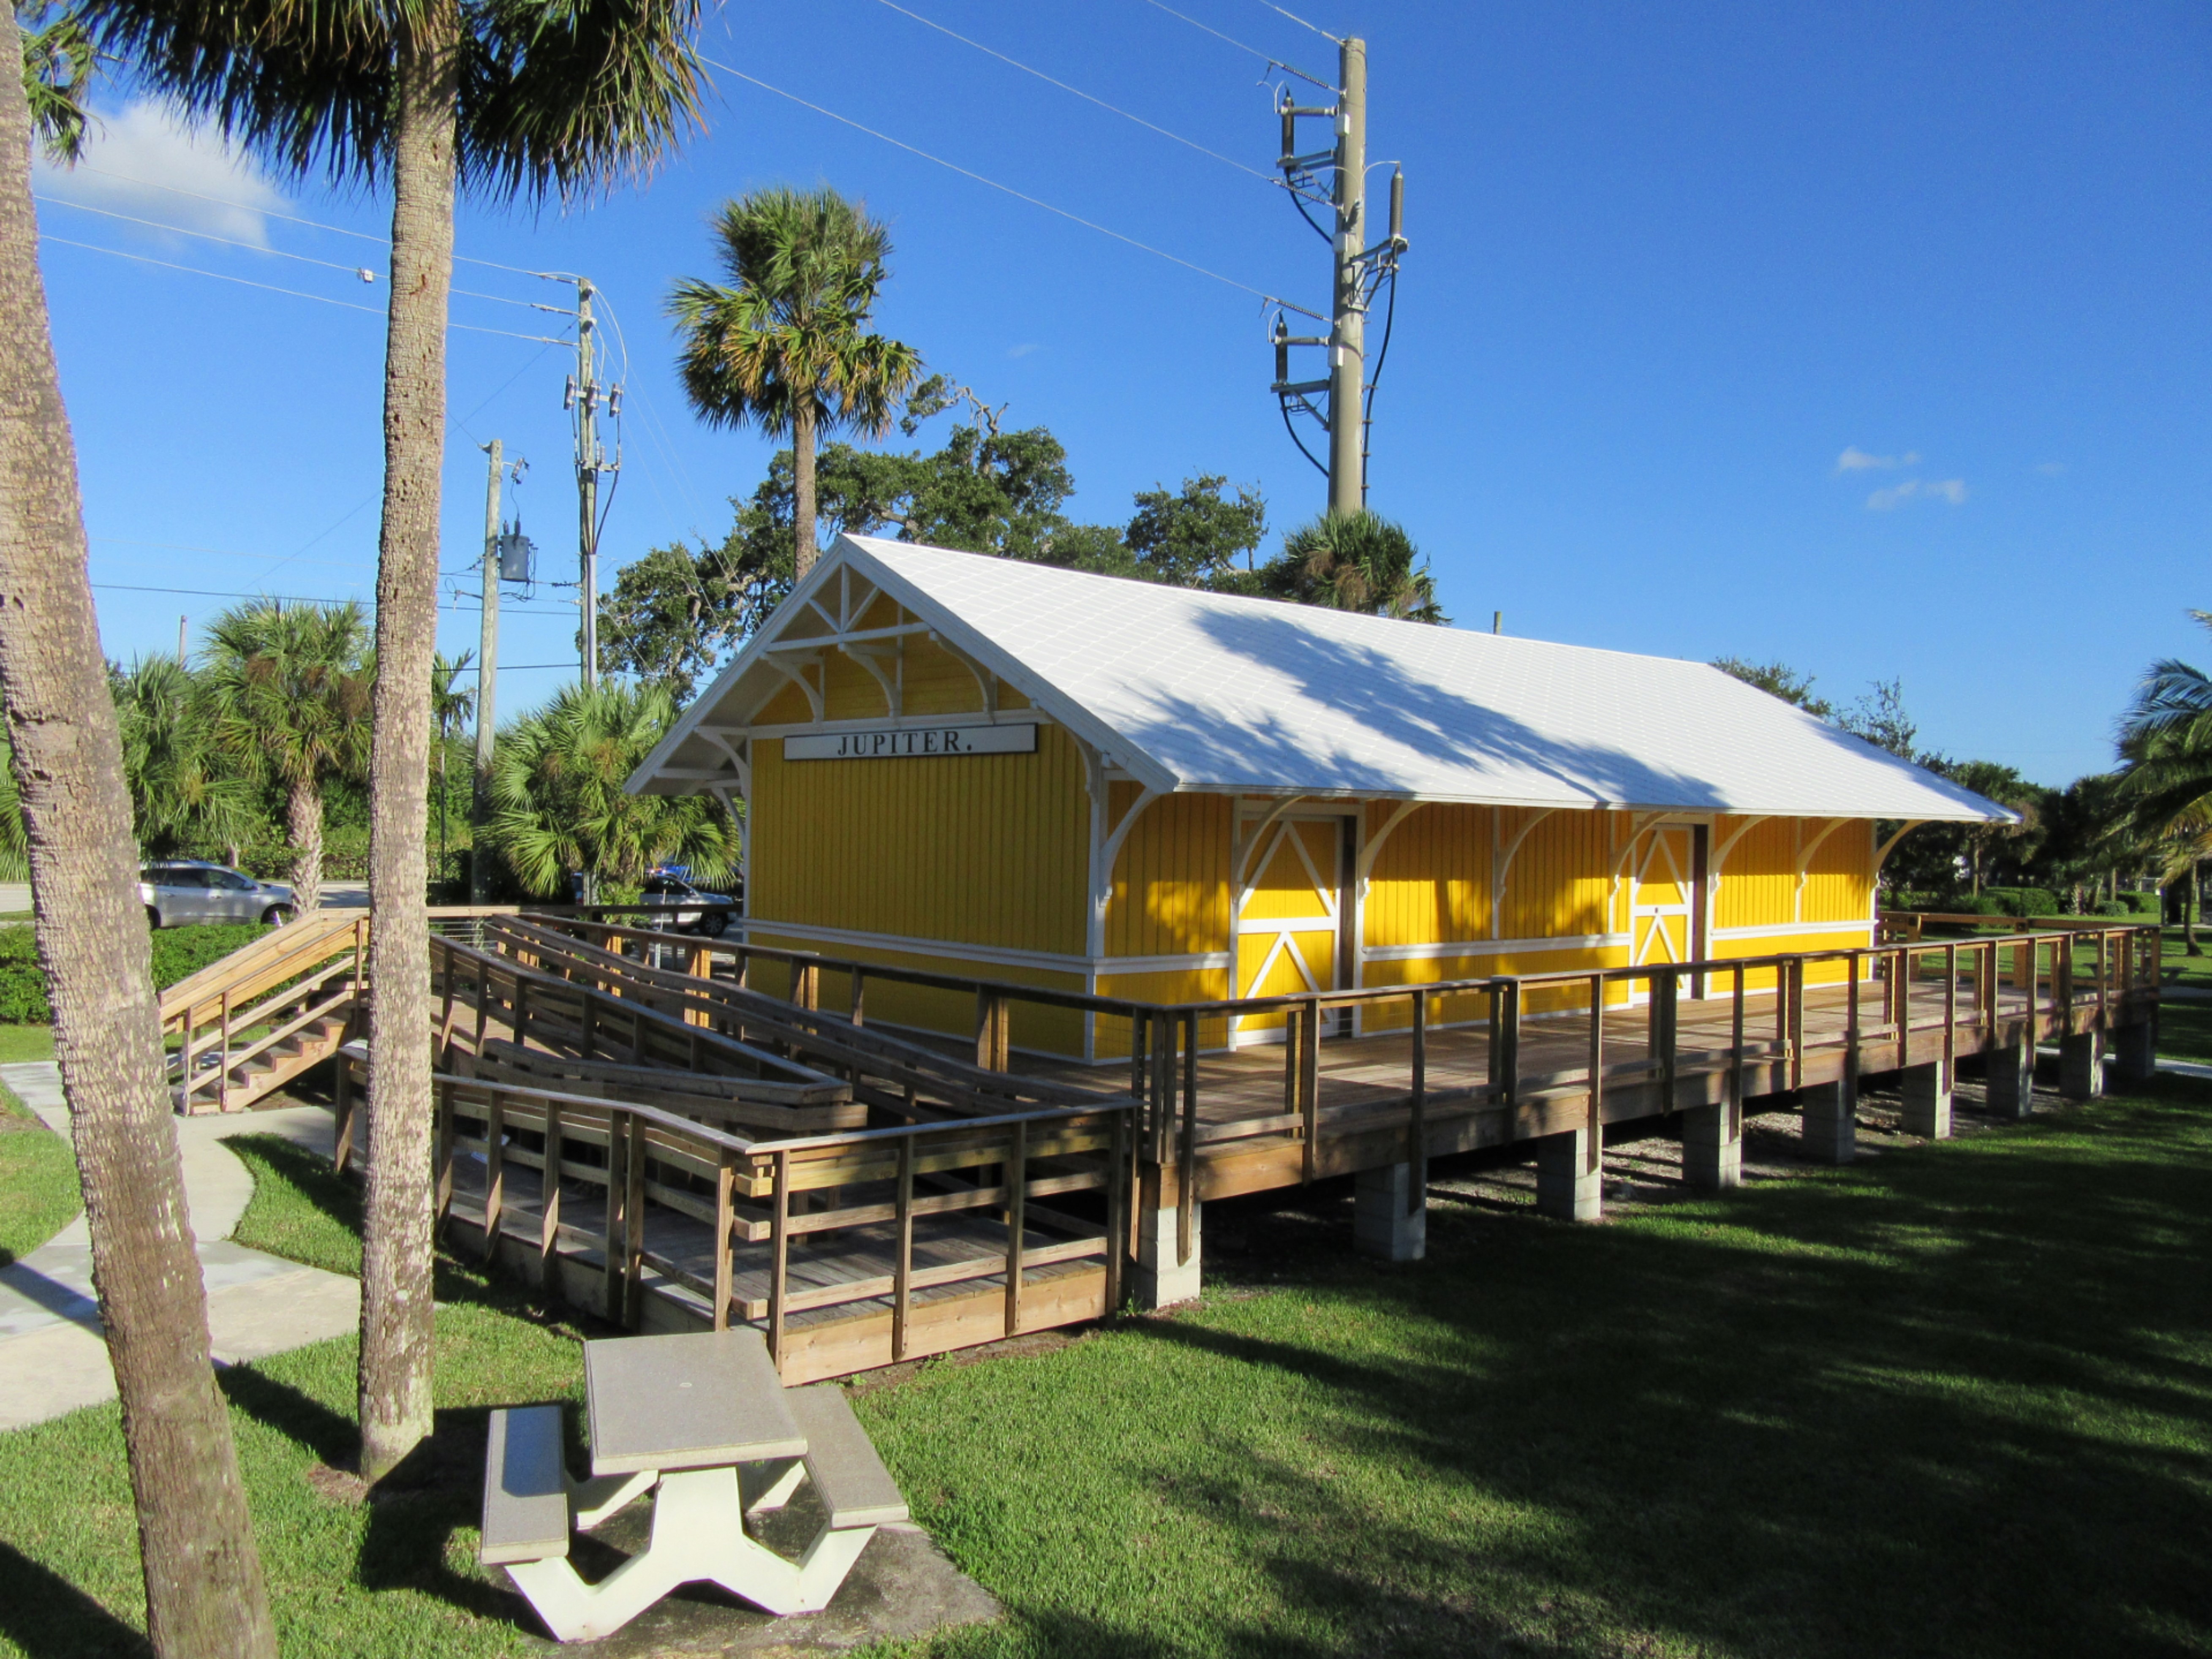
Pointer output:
x,y
1839,876
1430,880
1170,894
1561,876
1758,878
983,849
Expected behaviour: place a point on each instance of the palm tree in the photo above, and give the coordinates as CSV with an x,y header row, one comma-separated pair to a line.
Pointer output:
x,y
2166,745
558,802
782,344
508,98
205,1597
186,791
450,707
291,687
1355,561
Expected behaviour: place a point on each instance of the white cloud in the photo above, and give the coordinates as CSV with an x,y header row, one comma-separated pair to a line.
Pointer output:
x,y
1952,490
2051,468
147,163
1022,350
1855,459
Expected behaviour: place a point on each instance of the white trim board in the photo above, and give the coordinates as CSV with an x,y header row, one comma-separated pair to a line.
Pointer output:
x,y
997,956
1446,949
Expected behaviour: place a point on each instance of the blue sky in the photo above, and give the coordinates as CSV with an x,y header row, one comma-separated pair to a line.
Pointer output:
x,y
1873,338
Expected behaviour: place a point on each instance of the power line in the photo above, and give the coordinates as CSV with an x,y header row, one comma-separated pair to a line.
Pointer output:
x,y
1300,22
266,288
368,602
204,235
296,293
278,252
221,552
1266,57
1152,126
1019,196
312,224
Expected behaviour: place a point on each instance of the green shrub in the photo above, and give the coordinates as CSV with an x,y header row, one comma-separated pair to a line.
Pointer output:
x,y
178,953
2111,908
2141,904
2023,901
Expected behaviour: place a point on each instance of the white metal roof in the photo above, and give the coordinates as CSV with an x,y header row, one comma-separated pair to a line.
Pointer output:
x,y
1199,691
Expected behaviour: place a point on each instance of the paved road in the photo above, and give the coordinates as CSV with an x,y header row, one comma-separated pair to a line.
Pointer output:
x,y
52,1357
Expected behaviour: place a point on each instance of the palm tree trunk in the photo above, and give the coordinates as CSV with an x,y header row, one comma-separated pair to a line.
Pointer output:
x,y
802,491
303,822
205,1593
397,1325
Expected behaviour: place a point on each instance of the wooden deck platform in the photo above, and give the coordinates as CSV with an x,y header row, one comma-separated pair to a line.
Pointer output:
x,y
1249,1121
674,1291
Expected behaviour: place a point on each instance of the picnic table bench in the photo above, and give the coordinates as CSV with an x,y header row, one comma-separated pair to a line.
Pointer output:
x,y
703,1423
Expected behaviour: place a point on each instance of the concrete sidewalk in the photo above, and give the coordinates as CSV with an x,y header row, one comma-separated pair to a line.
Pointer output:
x,y
52,1357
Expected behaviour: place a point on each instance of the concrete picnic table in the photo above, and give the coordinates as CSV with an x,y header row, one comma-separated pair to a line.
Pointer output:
x,y
681,1417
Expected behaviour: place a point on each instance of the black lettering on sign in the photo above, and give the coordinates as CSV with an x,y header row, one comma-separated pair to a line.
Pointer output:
x,y
900,741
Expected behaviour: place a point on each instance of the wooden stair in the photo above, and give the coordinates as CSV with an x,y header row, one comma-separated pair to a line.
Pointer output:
x,y
253,1021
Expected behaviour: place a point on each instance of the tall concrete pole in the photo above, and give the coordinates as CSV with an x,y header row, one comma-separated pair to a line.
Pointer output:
x,y
487,680
1348,346
587,483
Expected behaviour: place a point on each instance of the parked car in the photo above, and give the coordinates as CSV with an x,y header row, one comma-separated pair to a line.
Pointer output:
x,y
178,891
683,900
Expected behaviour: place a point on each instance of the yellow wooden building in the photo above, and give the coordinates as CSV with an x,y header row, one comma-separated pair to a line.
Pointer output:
x,y
1009,771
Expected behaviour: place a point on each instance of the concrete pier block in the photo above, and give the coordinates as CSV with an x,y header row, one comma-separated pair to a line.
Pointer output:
x,y
1389,1219
1832,1129
2011,1073
1927,1100
2081,1066
1712,1149
1162,1281
2134,1052
1567,1189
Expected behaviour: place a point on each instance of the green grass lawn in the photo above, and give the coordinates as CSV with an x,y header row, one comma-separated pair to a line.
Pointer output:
x,y
38,1192
1955,1399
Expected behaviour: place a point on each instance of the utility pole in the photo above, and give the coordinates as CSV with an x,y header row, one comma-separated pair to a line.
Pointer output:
x,y
584,398
180,640
1347,328
1359,268
487,679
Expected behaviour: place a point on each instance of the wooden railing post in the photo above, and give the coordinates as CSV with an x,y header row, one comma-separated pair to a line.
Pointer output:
x,y
1117,1210
1950,1012
1664,1046
1793,1013
779,1253
1851,1025
633,1225
902,1261
1903,1018
1736,1057
1417,1122
616,1234
1596,1055
222,1054
859,1009
549,1208
494,1172
1507,1041
726,1181
341,1107
1018,1198
1160,1097
442,1193
1186,1161
1309,1013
